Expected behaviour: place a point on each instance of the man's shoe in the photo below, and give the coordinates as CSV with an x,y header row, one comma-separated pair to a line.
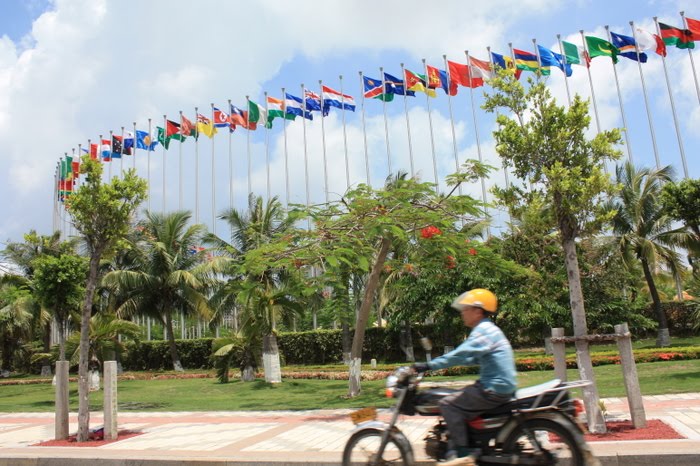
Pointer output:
x,y
468,460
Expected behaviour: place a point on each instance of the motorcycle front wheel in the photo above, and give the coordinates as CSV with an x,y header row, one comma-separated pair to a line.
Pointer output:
x,y
545,442
363,446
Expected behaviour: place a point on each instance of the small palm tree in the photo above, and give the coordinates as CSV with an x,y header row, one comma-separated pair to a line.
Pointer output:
x,y
105,330
168,274
644,231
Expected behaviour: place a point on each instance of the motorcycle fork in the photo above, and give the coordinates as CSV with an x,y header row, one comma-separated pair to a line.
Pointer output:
x,y
396,410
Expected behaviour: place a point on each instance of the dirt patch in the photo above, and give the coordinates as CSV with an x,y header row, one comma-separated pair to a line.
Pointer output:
x,y
624,430
96,439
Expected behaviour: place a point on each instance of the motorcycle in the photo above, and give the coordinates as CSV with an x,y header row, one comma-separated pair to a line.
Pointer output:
x,y
539,426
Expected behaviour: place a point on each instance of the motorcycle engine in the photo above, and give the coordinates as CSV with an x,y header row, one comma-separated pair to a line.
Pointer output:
x,y
436,441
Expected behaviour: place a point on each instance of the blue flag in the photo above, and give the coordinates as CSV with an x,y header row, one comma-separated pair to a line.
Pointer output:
x,y
394,85
628,47
550,58
294,106
145,141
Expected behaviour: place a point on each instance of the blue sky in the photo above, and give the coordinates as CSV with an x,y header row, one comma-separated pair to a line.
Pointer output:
x,y
71,70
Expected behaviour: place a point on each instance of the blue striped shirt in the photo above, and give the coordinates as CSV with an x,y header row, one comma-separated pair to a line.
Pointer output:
x,y
488,348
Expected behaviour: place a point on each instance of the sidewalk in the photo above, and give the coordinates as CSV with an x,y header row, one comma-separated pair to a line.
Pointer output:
x,y
297,437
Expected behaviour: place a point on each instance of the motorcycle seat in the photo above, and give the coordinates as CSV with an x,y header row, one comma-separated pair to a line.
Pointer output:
x,y
535,390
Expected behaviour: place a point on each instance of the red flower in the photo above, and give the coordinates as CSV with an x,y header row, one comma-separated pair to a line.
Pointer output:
x,y
450,262
430,231
472,251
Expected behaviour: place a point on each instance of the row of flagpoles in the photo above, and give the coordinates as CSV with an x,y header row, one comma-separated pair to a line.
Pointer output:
x,y
471,74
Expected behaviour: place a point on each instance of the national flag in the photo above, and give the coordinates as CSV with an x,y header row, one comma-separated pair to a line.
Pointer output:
x,y
172,128
693,26
374,89
67,168
575,54
118,148
162,138
295,106
205,126
75,166
187,128
481,68
417,82
106,150
145,141
681,38
394,85
313,101
276,109
129,141
648,41
94,149
628,47
438,79
461,74
598,47
256,115
505,62
551,58
333,98
527,61
221,119
238,118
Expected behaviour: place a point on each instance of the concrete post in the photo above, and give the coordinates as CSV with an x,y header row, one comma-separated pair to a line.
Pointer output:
x,y
61,419
629,373
110,400
559,351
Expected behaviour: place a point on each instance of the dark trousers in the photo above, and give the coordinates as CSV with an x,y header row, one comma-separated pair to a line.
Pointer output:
x,y
464,406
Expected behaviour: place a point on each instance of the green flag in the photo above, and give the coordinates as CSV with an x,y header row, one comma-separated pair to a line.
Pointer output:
x,y
598,47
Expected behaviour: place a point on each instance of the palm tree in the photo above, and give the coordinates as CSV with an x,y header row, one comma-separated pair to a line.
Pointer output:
x,y
264,297
644,231
105,330
168,274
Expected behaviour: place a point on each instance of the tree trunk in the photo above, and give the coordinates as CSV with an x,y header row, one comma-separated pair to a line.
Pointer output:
x,y
663,338
177,365
596,422
83,376
62,340
347,342
363,317
271,359
407,341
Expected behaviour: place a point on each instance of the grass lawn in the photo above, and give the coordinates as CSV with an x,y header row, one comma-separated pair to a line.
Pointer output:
x,y
209,395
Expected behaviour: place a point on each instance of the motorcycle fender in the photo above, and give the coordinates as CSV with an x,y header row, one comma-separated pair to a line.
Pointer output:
x,y
396,435
551,415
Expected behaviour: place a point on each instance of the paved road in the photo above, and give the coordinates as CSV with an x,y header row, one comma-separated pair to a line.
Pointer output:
x,y
296,437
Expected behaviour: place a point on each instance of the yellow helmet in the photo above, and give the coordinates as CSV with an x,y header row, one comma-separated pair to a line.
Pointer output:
x,y
477,297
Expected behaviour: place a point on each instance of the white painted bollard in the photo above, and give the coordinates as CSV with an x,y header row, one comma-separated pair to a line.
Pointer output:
x,y
373,363
94,380
110,400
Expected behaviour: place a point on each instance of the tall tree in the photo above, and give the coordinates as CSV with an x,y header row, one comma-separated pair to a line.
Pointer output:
x,y
166,274
547,148
681,200
102,214
644,230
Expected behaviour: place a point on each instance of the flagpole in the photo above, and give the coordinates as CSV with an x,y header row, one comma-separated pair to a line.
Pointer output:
x,y
619,98
408,125
692,61
478,145
134,148
121,159
646,99
247,141
386,122
165,125
452,120
213,174
111,154
56,194
430,127
306,157
230,158
345,135
505,170
364,127
539,59
286,156
566,76
267,146
590,81
148,164
673,106
323,141
179,175
196,167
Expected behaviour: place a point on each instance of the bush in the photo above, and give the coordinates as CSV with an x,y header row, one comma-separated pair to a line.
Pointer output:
x,y
155,354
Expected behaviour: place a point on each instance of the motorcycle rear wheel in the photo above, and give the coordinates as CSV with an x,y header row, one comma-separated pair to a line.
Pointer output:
x,y
553,444
363,446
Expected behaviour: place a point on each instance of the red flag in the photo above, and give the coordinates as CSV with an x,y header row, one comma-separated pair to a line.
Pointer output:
x,y
694,27
186,126
171,129
660,45
94,149
76,168
461,74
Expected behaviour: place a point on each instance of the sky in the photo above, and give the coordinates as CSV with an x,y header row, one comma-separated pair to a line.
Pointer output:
x,y
72,70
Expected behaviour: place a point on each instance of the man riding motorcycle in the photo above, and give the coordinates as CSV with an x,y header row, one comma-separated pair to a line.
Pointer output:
x,y
486,347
